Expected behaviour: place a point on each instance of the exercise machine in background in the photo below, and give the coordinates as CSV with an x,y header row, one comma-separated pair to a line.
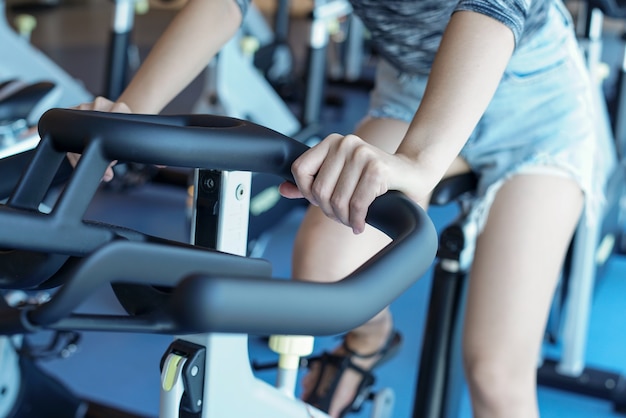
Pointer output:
x,y
21,105
26,63
261,103
31,83
122,55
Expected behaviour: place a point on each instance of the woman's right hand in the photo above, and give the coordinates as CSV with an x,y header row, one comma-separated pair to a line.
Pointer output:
x,y
103,105
342,175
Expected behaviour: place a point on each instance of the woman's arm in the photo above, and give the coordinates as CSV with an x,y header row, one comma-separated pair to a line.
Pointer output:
x,y
343,175
195,35
190,41
474,52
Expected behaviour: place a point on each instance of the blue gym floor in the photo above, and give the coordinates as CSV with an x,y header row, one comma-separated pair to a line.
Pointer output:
x,y
123,369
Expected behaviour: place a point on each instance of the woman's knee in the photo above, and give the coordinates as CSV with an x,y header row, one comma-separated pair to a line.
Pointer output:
x,y
498,380
326,251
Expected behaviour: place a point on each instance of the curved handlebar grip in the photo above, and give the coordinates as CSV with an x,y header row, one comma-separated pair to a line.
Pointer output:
x,y
194,141
226,293
268,306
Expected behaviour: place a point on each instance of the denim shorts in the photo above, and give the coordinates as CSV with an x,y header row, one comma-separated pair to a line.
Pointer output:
x,y
543,117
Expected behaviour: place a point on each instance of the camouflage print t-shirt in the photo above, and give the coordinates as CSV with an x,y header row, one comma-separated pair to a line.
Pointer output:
x,y
408,32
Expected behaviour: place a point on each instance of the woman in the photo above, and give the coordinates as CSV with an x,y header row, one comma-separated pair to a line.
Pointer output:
x,y
498,87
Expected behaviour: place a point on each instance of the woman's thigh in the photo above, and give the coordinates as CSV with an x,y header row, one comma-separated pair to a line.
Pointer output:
x,y
517,262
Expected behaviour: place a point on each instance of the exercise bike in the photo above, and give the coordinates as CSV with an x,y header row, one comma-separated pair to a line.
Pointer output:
x,y
25,62
209,296
21,106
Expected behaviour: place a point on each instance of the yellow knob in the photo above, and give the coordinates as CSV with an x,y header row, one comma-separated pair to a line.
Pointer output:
x,y
25,24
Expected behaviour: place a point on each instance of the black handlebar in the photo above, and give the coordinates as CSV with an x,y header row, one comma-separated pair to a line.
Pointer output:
x,y
211,291
194,141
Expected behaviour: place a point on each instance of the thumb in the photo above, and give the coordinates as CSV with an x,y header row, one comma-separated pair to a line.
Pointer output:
x,y
289,190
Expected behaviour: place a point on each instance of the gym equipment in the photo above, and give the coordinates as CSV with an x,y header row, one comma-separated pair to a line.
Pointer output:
x,y
440,380
119,47
122,54
21,105
222,86
30,83
30,65
273,55
262,104
213,297
121,57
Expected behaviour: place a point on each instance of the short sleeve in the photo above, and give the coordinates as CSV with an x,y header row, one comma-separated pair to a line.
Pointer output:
x,y
511,13
243,5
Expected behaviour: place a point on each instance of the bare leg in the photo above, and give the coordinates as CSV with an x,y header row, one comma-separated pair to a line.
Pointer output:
x,y
515,270
327,250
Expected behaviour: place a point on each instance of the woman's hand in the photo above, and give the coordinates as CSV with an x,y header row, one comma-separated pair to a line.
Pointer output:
x,y
344,174
103,105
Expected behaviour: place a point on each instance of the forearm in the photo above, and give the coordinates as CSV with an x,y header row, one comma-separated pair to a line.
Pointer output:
x,y
474,52
195,35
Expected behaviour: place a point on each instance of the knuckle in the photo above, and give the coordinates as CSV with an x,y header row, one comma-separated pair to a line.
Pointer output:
x,y
341,208
375,170
102,102
334,138
364,153
337,203
358,207
120,107
348,142
319,192
297,168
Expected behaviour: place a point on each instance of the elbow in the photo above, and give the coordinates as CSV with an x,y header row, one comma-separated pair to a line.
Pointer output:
x,y
234,11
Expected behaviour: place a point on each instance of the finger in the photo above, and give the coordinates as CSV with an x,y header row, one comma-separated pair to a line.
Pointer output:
x,y
84,106
108,175
336,165
364,195
73,158
98,103
325,182
344,189
363,178
120,107
290,190
306,167
102,104
358,155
